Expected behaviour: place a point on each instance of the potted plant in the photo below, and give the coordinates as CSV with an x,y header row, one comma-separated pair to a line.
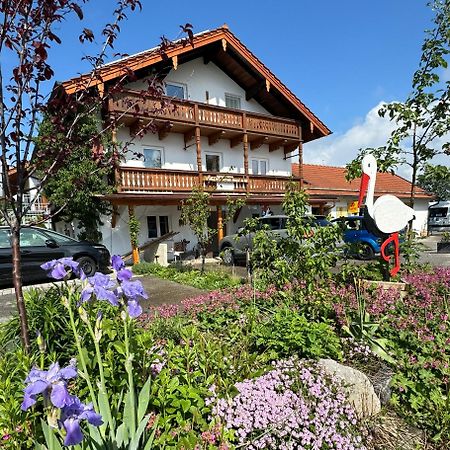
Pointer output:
x,y
444,245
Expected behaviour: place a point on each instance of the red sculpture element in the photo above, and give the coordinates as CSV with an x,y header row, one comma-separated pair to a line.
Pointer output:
x,y
392,238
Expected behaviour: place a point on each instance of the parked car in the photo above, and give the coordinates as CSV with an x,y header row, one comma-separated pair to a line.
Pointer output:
x,y
233,247
39,245
365,244
439,217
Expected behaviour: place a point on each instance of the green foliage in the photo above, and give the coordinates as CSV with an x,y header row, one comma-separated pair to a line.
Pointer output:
x,y
287,332
135,227
445,236
14,367
307,252
76,184
195,213
436,181
209,280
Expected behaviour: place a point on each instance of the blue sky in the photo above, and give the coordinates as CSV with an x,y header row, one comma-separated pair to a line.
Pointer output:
x,y
342,58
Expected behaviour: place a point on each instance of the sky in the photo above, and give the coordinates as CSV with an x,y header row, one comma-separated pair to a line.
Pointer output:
x,y
343,59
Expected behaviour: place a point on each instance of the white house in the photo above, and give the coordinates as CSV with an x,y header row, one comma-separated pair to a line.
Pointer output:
x,y
229,128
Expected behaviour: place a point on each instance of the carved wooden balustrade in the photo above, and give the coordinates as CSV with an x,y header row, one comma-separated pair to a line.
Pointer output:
x,y
145,180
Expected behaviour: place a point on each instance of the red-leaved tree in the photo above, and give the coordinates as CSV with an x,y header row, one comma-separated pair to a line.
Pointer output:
x,y
27,95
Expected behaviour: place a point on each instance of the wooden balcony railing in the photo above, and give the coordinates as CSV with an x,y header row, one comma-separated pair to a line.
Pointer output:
x,y
139,105
144,180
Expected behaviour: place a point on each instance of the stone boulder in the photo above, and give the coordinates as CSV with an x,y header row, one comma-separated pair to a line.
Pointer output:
x,y
359,389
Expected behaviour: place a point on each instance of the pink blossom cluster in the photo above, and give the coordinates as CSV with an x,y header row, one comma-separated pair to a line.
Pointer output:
x,y
356,349
211,301
294,406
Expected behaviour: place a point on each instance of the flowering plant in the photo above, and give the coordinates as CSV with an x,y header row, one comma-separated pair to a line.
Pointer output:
x,y
114,425
295,405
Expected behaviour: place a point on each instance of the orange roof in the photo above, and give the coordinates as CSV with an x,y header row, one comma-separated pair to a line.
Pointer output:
x,y
153,56
329,180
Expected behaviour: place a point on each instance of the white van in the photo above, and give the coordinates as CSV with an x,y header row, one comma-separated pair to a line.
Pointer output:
x,y
439,217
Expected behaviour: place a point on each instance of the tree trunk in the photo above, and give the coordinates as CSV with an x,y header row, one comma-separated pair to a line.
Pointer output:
x,y
17,282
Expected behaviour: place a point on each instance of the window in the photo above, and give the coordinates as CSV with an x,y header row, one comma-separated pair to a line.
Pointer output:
x,y
60,238
157,226
272,222
32,238
259,166
152,157
438,212
232,101
4,239
175,90
213,163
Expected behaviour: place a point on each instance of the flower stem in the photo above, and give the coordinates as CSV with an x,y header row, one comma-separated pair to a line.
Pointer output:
x,y
102,379
129,369
81,355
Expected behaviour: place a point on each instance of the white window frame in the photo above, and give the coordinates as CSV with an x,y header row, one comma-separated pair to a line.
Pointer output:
x,y
153,147
235,97
259,161
175,83
158,224
220,160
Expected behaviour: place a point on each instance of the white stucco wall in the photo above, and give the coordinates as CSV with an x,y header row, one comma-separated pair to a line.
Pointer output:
x,y
117,239
199,78
174,156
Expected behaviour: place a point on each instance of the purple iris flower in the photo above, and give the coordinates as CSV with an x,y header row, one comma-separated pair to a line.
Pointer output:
x,y
58,268
71,416
133,291
119,266
51,383
100,285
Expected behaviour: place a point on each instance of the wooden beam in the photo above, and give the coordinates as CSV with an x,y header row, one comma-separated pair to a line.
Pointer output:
x,y
290,148
258,142
135,127
215,137
175,62
277,144
115,214
164,130
234,142
188,137
254,90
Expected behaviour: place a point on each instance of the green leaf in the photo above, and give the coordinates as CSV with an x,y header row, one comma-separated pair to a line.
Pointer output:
x,y
137,436
143,400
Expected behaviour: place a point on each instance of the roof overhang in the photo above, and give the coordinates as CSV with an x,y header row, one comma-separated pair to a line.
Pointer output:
x,y
224,49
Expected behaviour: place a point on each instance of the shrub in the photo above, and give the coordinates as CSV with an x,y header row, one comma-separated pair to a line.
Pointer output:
x,y
295,405
286,332
209,280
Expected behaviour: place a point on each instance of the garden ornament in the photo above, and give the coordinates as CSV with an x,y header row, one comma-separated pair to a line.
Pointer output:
x,y
388,213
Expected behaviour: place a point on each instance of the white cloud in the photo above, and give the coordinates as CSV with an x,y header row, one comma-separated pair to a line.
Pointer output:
x,y
339,149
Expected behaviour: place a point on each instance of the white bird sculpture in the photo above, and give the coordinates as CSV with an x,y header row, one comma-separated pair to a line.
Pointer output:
x,y
389,213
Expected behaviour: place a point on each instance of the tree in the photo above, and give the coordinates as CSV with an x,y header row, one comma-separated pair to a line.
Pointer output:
x,y
195,213
436,181
27,32
74,187
424,117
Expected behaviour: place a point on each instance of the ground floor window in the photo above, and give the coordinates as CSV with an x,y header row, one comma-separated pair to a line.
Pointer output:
x,y
157,226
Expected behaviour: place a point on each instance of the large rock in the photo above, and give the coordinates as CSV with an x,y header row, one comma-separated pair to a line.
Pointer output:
x,y
359,389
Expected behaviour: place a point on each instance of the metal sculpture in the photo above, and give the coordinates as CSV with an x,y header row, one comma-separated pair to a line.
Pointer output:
x,y
388,214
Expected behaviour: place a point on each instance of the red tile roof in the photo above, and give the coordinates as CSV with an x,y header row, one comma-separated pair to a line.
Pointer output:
x,y
330,181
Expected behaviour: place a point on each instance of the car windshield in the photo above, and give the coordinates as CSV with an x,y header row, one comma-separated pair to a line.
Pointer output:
x,y
60,239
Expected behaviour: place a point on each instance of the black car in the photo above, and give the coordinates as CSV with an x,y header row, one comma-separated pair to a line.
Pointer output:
x,y
39,245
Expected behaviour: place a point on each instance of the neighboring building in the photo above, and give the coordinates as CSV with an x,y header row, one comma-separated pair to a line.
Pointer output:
x,y
229,128
330,193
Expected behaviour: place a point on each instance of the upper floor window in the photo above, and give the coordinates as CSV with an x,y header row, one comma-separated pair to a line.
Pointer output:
x,y
259,166
212,163
153,157
176,90
232,101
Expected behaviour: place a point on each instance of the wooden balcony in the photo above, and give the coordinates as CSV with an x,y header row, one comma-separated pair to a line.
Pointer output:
x,y
135,108
141,180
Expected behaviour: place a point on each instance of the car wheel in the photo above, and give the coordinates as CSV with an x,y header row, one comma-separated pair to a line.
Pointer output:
x,y
227,256
87,265
365,251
